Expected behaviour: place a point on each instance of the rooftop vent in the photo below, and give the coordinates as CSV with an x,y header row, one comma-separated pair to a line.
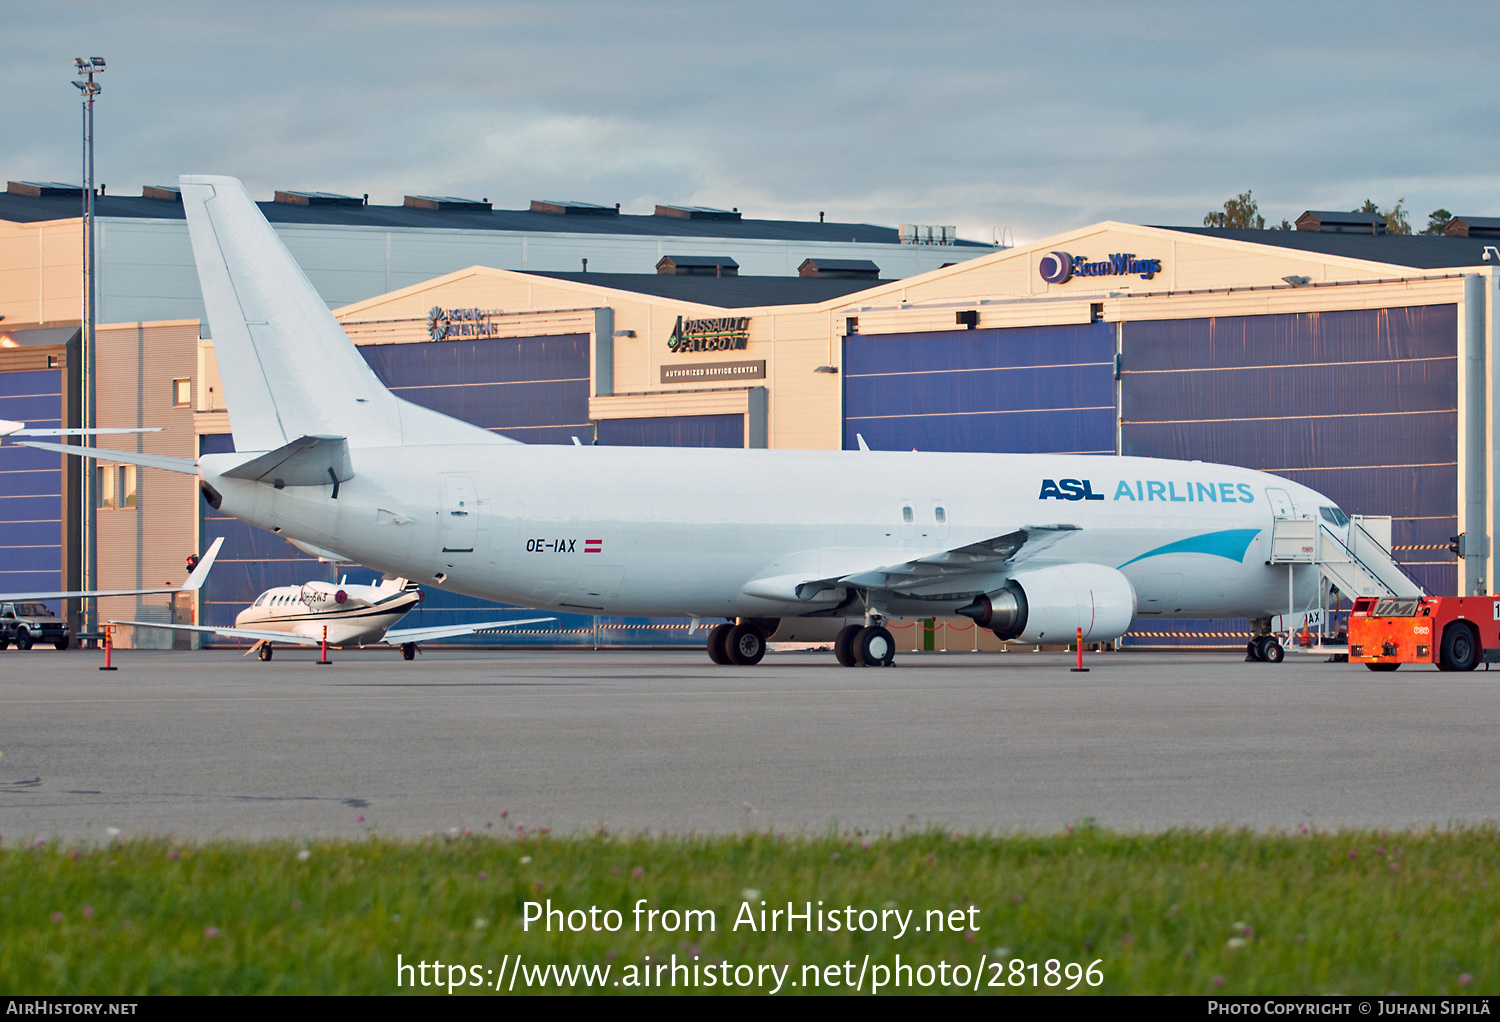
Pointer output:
x,y
318,199
445,202
572,208
1335,222
697,212
1473,227
839,269
162,193
928,234
698,266
45,189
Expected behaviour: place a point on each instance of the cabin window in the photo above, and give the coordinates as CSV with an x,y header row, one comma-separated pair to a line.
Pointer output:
x,y
940,515
907,516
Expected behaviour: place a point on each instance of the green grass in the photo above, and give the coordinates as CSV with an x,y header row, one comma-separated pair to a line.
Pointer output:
x,y
1184,911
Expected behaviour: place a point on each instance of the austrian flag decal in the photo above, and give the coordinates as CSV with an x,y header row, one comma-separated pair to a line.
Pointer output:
x,y
593,546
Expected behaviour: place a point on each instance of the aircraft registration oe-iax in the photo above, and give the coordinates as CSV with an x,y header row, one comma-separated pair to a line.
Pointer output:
x,y
793,545
342,615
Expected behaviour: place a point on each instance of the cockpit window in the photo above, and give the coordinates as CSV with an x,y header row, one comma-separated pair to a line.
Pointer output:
x,y
1334,515
260,601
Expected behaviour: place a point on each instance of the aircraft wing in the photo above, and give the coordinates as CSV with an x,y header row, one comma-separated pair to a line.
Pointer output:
x,y
998,553
400,636
193,584
239,633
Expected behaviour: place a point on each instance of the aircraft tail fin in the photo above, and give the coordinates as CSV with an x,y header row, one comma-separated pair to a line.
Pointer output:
x,y
288,369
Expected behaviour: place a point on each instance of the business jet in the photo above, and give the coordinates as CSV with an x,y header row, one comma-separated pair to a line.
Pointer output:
x,y
343,615
784,544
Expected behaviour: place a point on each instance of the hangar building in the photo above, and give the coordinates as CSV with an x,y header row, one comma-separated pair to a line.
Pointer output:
x,y
1357,363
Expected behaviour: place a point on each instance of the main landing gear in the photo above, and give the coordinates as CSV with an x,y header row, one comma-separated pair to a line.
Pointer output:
x,y
1264,649
265,651
741,644
865,646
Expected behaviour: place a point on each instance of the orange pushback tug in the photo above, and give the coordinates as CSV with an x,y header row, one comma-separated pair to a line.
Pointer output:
x,y
1454,632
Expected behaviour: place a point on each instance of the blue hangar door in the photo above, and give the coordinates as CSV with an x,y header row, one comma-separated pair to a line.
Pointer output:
x,y
1359,405
31,486
1019,391
534,389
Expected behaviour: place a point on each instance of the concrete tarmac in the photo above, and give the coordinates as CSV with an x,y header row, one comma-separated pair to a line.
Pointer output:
x,y
207,744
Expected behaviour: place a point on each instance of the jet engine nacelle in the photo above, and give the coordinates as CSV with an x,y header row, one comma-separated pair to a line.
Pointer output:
x,y
326,596
1049,605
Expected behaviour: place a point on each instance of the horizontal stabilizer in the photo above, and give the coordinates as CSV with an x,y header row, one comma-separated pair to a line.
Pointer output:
x,y
306,461
187,466
9,427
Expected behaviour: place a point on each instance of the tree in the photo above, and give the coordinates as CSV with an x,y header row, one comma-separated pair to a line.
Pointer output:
x,y
1285,225
1395,217
1240,211
1438,221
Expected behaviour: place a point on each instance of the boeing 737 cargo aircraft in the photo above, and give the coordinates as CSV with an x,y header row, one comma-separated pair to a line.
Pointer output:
x,y
776,543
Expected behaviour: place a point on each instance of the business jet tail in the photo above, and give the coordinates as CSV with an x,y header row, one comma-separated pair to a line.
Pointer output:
x,y
288,369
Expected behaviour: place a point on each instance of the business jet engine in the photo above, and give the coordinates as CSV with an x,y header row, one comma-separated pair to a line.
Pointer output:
x,y
324,596
1049,605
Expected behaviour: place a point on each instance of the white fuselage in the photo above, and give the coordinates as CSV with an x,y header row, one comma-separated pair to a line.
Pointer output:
x,y
672,531
363,617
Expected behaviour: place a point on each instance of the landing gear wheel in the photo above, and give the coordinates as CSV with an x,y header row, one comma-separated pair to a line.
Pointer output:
x,y
1252,651
843,646
62,643
1271,651
1460,652
23,639
1382,667
265,651
874,647
408,651
718,644
745,645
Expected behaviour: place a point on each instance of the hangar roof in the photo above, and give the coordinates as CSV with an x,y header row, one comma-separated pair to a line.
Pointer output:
x,y
1419,251
31,209
724,292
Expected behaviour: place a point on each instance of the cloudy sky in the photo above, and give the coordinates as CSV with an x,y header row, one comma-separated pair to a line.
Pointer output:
x,y
1033,116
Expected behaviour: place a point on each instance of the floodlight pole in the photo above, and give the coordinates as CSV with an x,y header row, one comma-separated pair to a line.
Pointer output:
x,y
87,68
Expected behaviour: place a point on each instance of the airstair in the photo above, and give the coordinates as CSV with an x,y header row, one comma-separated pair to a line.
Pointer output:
x,y
1361,566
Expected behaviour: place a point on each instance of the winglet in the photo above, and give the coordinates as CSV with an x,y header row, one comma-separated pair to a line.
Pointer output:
x,y
200,573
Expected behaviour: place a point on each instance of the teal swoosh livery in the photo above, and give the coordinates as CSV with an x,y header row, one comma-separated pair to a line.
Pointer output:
x,y
1231,543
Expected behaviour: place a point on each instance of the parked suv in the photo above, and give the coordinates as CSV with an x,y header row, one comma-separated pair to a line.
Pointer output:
x,y
27,623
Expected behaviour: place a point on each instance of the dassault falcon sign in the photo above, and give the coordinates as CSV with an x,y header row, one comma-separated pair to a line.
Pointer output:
x,y
723,334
